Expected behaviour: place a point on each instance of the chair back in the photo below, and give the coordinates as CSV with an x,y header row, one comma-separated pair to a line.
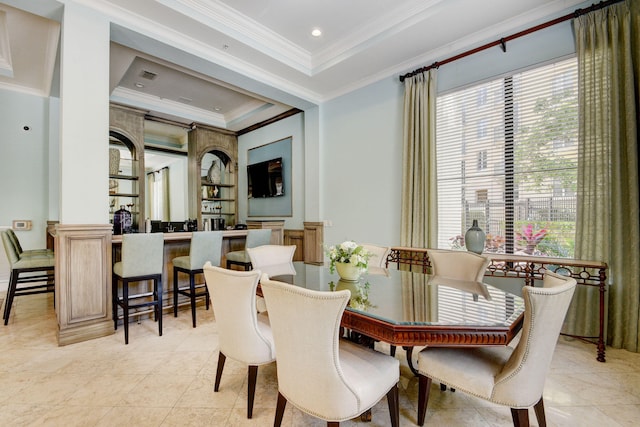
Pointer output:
x,y
142,254
258,237
205,246
15,241
273,260
458,265
522,378
9,248
233,296
308,347
379,254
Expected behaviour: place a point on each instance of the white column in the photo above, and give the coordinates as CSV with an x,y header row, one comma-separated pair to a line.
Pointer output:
x,y
84,116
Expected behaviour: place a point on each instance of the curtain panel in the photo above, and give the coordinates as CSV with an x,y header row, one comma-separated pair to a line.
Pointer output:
x,y
419,221
608,219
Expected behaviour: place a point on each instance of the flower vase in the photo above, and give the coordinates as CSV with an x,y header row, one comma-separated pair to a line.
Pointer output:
x,y
474,238
348,271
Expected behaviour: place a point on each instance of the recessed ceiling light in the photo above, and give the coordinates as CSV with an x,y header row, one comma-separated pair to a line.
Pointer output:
x,y
217,108
316,32
139,85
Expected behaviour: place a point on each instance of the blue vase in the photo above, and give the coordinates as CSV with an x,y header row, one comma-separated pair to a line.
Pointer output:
x,y
474,238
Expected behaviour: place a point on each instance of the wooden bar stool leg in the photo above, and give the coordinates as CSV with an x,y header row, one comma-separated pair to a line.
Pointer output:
x,y
175,292
125,308
158,285
192,296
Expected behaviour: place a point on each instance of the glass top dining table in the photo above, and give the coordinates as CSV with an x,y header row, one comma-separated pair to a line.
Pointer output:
x,y
410,309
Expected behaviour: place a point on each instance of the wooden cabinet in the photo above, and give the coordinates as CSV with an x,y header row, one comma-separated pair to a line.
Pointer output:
x,y
124,180
217,189
213,161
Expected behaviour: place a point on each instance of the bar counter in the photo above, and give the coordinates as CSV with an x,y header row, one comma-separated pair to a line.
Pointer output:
x,y
177,244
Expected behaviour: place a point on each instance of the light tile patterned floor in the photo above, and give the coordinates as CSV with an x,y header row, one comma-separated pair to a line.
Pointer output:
x,y
168,381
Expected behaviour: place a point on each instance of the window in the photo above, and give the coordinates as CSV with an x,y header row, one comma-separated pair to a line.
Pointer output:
x,y
482,160
523,188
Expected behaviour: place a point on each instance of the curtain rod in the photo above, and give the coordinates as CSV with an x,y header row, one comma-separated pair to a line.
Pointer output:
x,y
503,41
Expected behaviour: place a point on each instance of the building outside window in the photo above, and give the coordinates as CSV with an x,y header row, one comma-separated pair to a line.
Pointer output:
x,y
522,191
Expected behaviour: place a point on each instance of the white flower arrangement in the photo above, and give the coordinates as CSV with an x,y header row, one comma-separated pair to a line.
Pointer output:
x,y
348,252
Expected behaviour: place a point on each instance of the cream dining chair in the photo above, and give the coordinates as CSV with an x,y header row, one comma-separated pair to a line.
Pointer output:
x,y
273,260
243,334
505,375
255,237
378,253
320,374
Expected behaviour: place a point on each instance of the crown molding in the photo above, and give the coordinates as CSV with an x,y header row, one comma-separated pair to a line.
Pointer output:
x,y
227,20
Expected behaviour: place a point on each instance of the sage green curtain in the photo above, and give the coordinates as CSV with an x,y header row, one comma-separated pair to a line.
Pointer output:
x,y
608,221
419,220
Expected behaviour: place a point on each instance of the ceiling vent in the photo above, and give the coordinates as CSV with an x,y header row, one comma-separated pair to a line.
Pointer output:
x,y
185,100
148,75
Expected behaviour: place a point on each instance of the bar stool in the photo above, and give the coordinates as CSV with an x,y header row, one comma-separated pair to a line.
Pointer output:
x,y
205,246
255,237
27,268
141,259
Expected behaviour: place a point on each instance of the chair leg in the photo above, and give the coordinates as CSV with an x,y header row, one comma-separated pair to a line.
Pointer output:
x,y
520,417
175,292
424,386
221,359
114,301
251,389
281,405
394,406
125,309
192,297
11,291
539,408
158,307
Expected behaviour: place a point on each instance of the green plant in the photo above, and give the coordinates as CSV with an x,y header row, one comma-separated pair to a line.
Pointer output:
x,y
348,252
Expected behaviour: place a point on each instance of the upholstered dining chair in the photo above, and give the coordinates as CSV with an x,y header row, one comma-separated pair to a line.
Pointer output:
x,y
243,334
273,260
378,253
29,252
457,265
36,270
449,267
320,374
142,259
505,375
255,237
205,246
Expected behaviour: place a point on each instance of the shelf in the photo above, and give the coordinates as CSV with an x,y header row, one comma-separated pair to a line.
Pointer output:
x,y
218,213
126,177
217,200
209,184
123,195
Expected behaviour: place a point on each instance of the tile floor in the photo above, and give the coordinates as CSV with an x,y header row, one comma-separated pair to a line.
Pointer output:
x,y
168,381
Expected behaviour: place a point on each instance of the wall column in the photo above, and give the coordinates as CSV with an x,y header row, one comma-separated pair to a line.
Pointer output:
x,y
83,236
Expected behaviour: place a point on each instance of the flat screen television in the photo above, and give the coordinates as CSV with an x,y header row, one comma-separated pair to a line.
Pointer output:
x,y
265,179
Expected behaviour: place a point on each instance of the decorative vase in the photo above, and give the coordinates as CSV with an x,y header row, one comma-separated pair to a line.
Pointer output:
x,y
348,271
213,174
122,221
474,238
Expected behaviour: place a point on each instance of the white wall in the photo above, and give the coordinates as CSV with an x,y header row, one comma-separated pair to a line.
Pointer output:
x,y
24,168
361,143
